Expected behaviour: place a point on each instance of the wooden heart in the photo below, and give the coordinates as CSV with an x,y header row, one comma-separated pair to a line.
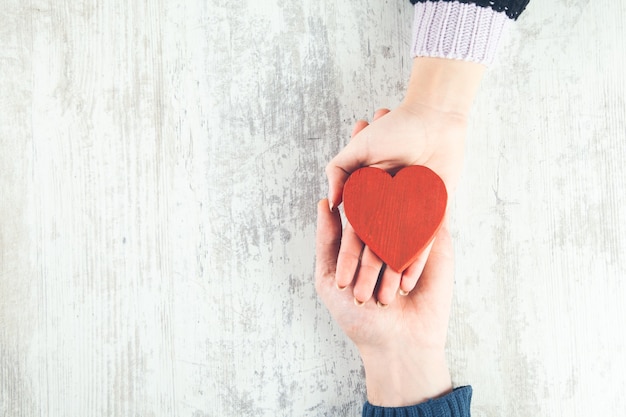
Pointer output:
x,y
397,217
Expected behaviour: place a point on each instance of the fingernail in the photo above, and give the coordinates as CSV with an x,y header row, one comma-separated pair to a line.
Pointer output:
x,y
381,305
358,303
331,205
402,292
340,288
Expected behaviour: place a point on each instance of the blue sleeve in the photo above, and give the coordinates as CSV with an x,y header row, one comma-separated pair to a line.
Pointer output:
x,y
455,404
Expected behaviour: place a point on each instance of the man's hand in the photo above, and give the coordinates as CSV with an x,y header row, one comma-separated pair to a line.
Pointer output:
x,y
402,346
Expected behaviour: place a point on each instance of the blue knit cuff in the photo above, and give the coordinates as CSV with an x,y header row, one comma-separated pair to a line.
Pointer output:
x,y
455,404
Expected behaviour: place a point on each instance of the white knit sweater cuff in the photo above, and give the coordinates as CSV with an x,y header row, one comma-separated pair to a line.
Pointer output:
x,y
454,30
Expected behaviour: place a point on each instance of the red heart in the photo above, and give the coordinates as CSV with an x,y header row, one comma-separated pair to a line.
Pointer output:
x,y
397,217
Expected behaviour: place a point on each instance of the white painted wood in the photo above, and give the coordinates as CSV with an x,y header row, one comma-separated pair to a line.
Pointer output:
x,y
159,167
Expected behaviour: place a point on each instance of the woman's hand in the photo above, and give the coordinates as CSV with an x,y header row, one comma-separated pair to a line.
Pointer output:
x,y
428,128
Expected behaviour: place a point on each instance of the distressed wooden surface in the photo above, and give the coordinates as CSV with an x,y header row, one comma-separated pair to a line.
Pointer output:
x,y
159,167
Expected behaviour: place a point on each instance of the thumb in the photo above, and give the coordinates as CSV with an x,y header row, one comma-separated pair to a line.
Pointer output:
x,y
348,160
339,169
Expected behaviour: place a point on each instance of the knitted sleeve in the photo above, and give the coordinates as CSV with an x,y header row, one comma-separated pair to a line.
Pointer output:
x,y
468,30
512,8
455,404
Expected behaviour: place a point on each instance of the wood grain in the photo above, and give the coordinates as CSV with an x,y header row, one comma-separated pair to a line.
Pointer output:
x,y
396,217
160,163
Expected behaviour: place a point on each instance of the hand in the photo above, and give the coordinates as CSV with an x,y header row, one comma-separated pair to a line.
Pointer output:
x,y
402,346
428,128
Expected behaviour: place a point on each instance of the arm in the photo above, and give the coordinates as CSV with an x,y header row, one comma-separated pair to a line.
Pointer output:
x,y
427,128
452,44
402,346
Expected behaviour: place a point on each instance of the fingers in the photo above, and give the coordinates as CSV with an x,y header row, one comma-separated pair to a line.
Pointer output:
x,y
351,158
327,239
412,274
380,113
354,262
437,279
367,276
388,286
362,124
341,166
358,126
349,257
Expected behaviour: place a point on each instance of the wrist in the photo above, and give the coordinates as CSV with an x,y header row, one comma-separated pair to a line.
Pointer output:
x,y
406,378
444,85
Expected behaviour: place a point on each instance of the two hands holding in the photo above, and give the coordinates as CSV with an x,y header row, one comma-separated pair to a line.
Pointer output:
x,y
399,321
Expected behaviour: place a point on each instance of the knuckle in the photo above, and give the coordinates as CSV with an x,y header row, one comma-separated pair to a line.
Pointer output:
x,y
370,268
347,257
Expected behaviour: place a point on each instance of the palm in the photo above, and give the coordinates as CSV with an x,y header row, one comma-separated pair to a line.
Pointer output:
x,y
418,320
415,136
404,137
